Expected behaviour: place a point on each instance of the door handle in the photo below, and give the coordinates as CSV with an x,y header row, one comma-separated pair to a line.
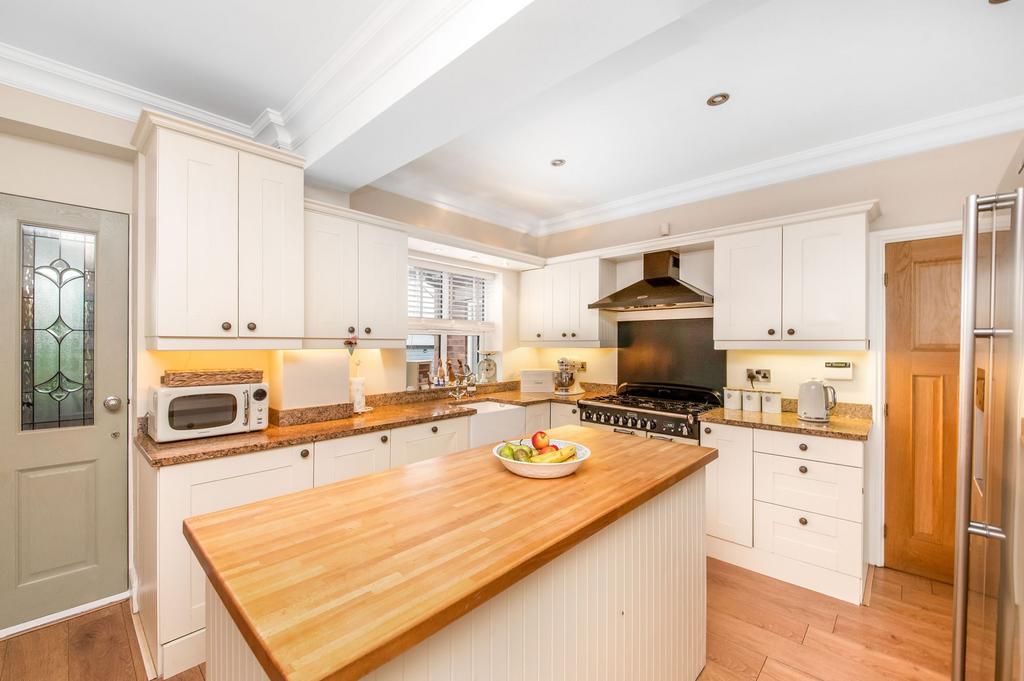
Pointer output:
x,y
624,431
112,403
986,530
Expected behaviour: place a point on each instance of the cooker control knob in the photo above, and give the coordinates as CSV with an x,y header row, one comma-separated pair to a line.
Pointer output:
x,y
652,425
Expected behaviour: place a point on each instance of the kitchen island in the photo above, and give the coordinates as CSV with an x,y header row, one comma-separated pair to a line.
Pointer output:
x,y
455,567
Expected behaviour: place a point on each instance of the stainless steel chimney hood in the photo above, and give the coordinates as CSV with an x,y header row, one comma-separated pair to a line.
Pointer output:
x,y
661,288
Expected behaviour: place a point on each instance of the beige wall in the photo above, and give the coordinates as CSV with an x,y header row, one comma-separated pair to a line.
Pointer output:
x,y
922,188
401,208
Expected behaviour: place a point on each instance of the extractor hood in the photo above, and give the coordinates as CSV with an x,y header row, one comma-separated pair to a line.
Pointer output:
x,y
661,288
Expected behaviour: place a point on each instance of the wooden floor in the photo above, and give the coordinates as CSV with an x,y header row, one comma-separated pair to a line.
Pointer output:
x,y
759,629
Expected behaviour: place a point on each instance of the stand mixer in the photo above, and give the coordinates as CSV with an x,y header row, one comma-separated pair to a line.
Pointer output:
x,y
565,377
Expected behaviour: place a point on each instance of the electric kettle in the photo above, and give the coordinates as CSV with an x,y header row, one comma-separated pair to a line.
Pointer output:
x,y
815,401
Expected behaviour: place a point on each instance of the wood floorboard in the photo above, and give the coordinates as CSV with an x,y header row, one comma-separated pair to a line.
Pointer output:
x,y
759,629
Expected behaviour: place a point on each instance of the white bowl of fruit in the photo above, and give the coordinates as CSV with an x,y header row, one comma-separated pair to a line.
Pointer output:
x,y
541,457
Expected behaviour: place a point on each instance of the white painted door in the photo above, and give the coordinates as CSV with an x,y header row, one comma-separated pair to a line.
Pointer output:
x,y
383,283
331,275
748,286
270,248
192,489
561,298
586,288
729,494
196,219
565,415
427,440
824,277
63,461
531,305
351,457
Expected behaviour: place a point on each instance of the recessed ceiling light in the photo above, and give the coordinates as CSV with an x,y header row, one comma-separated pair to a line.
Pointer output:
x,y
996,2
558,162
718,99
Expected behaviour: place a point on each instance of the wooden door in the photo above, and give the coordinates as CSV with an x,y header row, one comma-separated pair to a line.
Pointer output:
x,y
922,303
196,238
748,286
427,440
531,305
270,248
383,283
63,415
202,487
824,277
351,457
332,276
729,483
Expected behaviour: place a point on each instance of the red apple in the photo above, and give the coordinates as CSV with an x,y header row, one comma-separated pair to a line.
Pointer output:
x,y
540,440
547,450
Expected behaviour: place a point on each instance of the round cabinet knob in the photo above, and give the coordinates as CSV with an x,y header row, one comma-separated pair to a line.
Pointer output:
x,y
367,330
351,329
226,326
383,438
707,431
304,453
802,469
538,335
433,429
790,332
803,447
573,335
251,326
564,334
803,521
771,332
573,411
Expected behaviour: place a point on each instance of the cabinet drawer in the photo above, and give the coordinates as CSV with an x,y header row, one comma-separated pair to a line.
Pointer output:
x,y
813,486
815,539
351,457
427,440
813,448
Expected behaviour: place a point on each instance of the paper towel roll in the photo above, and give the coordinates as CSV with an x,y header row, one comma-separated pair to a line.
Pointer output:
x,y
357,387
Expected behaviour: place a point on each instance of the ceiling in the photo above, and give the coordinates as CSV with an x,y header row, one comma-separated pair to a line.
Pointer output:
x,y
233,58
463,103
802,74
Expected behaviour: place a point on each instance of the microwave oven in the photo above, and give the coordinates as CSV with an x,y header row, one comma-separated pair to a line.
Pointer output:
x,y
183,413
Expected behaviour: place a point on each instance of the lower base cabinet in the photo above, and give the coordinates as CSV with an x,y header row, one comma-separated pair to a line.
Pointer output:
x,y
564,415
538,417
789,506
171,585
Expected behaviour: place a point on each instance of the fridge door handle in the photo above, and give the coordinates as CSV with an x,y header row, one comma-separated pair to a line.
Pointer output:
x,y
986,530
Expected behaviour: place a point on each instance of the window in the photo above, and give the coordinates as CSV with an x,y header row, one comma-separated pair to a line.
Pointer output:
x,y
448,317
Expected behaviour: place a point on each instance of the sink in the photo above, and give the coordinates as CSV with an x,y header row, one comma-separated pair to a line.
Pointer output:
x,y
494,422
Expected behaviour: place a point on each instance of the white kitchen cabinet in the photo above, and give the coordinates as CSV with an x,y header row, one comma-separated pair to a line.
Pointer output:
x,y
553,305
351,457
383,283
538,417
270,248
748,286
356,280
729,493
822,541
565,415
531,305
172,585
824,279
427,440
222,238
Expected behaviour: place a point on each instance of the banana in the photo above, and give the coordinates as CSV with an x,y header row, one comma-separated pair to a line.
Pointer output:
x,y
561,455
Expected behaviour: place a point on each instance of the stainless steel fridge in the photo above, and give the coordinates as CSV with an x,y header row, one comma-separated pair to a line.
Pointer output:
x,y
989,569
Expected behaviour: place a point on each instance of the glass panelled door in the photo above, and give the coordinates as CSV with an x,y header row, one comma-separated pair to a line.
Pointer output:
x,y
64,377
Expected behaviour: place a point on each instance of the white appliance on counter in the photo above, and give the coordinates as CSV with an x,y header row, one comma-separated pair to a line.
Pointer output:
x,y
565,377
537,380
188,412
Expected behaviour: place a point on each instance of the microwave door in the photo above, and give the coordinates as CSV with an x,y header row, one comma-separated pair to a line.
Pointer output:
x,y
985,616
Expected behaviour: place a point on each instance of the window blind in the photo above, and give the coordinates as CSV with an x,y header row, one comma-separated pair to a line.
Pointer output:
x,y
451,295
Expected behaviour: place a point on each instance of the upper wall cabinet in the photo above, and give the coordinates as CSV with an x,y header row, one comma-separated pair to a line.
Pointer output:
x,y
798,286
356,280
553,304
222,240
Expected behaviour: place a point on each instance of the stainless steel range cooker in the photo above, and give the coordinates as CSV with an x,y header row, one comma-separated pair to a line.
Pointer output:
x,y
656,410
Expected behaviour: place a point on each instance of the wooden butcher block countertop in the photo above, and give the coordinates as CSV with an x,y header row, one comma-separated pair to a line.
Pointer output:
x,y
332,582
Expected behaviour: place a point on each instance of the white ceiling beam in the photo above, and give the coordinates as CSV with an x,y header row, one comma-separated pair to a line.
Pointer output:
x,y
481,60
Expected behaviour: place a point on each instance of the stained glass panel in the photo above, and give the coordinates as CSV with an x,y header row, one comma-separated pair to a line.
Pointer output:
x,y
57,317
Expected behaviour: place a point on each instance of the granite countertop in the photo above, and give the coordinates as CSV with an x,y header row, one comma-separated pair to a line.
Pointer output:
x,y
839,426
332,582
380,418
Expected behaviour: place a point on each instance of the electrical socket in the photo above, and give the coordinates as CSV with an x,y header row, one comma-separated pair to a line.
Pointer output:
x,y
759,375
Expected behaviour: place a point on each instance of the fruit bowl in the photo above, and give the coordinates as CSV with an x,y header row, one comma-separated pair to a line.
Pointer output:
x,y
545,470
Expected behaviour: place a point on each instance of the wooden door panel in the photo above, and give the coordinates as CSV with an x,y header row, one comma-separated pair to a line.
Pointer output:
x,y
922,367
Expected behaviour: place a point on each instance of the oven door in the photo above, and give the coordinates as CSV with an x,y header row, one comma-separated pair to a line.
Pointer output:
x,y
201,411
